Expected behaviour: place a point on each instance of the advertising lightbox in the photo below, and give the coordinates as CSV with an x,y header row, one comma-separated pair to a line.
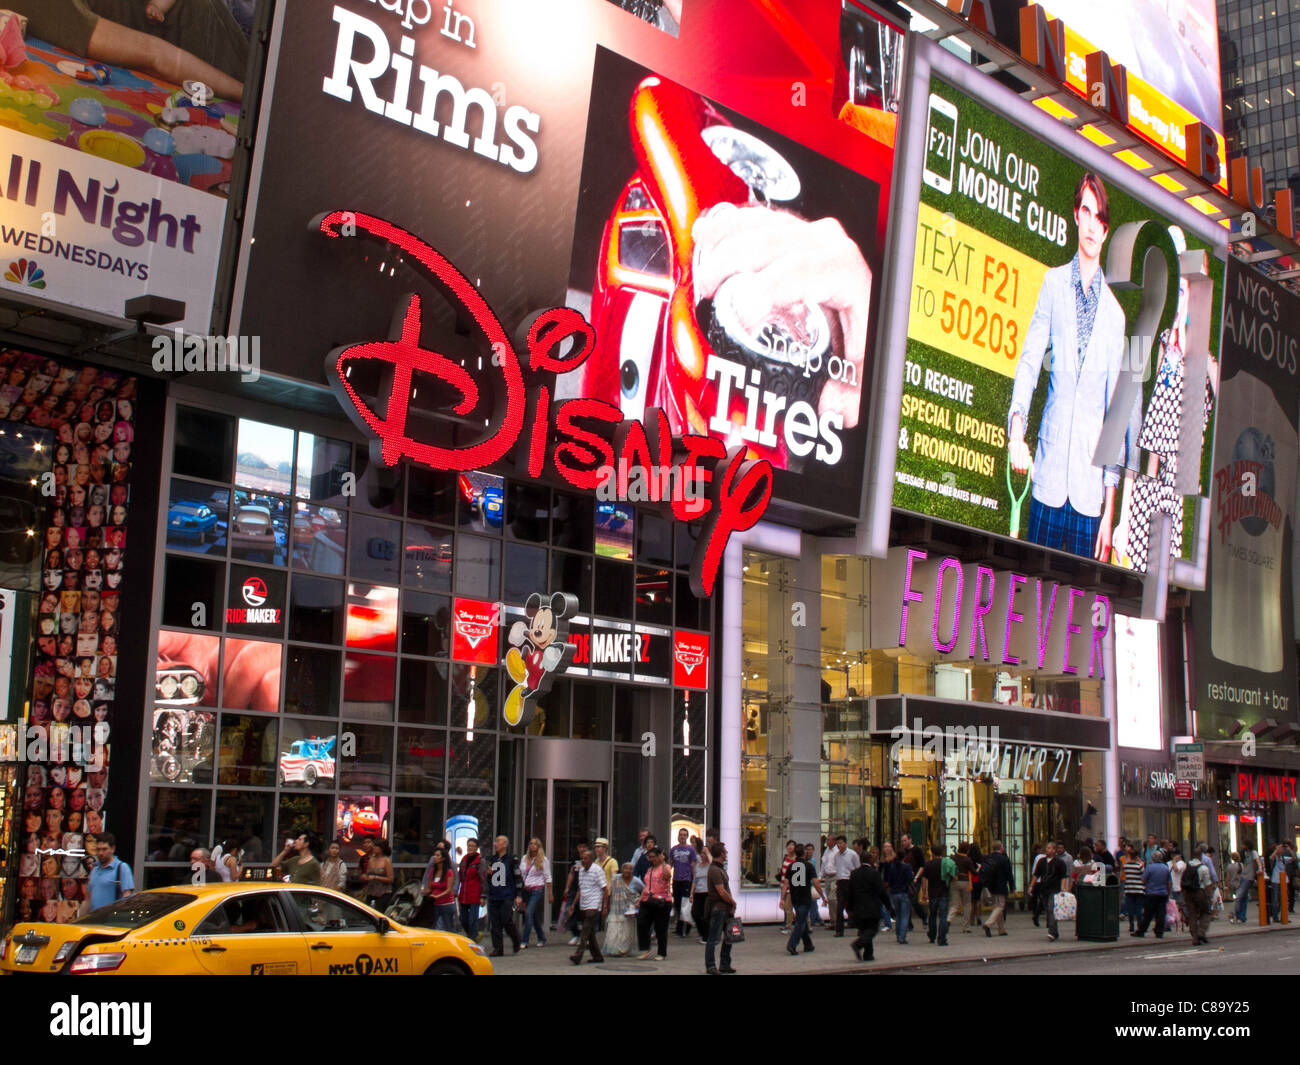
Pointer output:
x,y
1244,666
1137,683
117,136
1060,376
721,230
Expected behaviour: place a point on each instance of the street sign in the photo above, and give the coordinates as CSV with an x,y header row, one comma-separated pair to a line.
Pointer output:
x,y
1183,789
1189,763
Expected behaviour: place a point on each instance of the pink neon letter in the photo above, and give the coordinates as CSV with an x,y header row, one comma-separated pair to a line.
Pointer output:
x,y
1007,657
1044,631
1070,629
940,646
980,609
1099,634
909,596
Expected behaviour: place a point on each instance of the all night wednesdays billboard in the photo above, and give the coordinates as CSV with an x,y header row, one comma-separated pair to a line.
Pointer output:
x,y
713,201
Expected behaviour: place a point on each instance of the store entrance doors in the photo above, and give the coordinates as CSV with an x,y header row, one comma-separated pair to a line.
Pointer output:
x,y
562,814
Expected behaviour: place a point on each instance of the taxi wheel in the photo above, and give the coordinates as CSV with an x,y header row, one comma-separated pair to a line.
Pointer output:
x,y
446,967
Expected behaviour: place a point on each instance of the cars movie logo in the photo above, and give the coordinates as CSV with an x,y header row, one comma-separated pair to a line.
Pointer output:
x,y
691,660
474,629
575,441
254,593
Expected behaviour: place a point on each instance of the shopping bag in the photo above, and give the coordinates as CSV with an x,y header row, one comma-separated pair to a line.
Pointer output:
x,y
735,931
1064,906
1172,915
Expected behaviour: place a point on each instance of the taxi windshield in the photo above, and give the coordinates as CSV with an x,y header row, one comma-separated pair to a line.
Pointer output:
x,y
137,910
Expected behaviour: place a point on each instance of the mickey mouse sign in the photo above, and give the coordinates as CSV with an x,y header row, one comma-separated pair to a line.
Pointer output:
x,y
538,652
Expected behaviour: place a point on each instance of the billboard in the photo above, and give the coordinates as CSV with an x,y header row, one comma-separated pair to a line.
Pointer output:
x,y
1060,368
1138,710
117,137
623,163
1244,666
1171,51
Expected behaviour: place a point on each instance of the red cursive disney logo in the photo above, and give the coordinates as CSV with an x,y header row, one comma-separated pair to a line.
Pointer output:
x,y
575,442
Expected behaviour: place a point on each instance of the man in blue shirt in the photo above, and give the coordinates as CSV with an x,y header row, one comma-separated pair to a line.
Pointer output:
x,y
111,879
1155,887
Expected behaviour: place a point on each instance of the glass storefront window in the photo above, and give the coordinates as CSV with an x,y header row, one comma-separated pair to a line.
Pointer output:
x,y
372,617
525,573
251,675
369,766
311,684
368,687
245,818
426,623
478,568
316,610
421,758
248,751
427,558
424,686
204,444
308,754
318,536
178,822
375,552
322,464
417,828
193,592
197,518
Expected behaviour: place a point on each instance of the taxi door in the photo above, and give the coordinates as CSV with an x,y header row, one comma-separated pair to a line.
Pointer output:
x,y
250,935
343,937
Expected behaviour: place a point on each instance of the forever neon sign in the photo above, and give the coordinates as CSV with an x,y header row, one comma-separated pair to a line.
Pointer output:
x,y
578,441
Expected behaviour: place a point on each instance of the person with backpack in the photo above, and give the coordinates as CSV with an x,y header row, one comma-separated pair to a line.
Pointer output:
x,y
111,878
960,892
1000,879
1197,883
1036,881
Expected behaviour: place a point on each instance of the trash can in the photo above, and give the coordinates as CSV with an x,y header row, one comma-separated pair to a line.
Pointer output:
x,y
1097,918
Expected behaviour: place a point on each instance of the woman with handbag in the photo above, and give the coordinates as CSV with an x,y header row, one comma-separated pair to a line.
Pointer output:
x,y
623,898
656,905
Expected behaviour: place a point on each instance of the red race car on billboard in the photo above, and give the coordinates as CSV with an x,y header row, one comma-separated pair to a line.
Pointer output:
x,y
715,302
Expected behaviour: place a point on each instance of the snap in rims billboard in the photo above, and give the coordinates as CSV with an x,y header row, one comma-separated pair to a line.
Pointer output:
x,y
1059,377
646,180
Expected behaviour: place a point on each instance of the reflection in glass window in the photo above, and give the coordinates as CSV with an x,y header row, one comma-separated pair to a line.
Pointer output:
x,y
424,692
176,816
572,523
417,827
478,568
426,558
368,686
264,457
299,813
376,547
197,516
316,610
471,764
431,495
204,444
525,573
654,595
372,617
426,624
421,758
248,750
528,511
322,462
369,767
318,536
187,581
474,697
259,528
311,682
245,819
615,588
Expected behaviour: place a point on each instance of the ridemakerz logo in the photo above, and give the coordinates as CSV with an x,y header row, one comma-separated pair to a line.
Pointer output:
x,y
77,1018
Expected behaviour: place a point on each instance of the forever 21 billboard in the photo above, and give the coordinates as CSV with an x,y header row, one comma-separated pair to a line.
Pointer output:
x,y
722,233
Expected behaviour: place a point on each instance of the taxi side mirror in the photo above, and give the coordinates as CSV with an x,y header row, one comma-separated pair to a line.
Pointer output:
x,y
384,927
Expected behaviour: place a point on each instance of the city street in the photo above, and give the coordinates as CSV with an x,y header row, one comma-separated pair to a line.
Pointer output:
x,y
1025,949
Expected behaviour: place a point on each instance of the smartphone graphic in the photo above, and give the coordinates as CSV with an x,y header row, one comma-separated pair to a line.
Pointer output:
x,y
940,145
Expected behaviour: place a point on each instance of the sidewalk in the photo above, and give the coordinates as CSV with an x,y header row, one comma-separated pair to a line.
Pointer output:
x,y
763,952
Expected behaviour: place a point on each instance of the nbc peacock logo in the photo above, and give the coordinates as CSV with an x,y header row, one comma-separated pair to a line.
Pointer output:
x,y
25,272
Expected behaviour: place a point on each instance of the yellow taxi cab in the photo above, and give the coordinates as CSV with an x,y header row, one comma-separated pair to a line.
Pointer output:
x,y
245,929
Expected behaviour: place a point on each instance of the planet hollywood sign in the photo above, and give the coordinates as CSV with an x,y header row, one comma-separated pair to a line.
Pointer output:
x,y
577,441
